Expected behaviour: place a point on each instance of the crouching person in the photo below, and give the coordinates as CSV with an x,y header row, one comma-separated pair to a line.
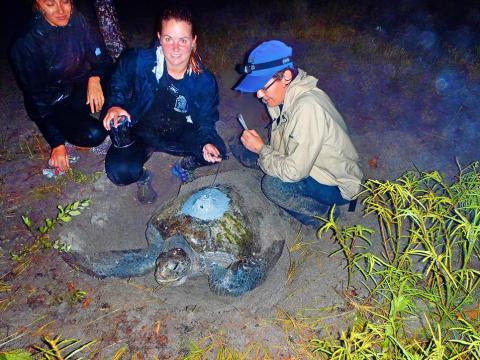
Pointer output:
x,y
169,101
63,69
310,163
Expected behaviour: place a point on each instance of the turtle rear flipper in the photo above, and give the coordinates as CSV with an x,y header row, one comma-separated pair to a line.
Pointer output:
x,y
246,274
117,263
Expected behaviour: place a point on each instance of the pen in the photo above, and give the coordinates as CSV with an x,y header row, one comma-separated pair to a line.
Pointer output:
x,y
242,121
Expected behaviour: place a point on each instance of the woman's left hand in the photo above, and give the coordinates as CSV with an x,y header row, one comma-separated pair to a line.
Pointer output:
x,y
95,96
211,154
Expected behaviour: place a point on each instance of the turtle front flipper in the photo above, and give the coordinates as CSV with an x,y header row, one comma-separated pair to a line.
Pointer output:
x,y
246,274
119,263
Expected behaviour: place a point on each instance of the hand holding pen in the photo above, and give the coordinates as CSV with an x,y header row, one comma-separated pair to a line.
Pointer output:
x,y
250,138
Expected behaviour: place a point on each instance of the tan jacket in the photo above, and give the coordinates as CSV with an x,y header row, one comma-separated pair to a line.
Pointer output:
x,y
311,139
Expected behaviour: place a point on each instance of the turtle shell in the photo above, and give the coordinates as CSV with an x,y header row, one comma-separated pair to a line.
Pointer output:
x,y
210,220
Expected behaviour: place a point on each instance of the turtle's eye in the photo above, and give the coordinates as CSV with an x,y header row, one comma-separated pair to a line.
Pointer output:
x,y
172,265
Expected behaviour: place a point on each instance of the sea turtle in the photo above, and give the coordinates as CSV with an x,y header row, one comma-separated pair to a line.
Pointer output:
x,y
207,233
204,231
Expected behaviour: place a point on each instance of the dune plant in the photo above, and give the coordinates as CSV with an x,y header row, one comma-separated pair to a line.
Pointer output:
x,y
215,346
17,354
54,349
41,236
59,185
78,177
63,349
421,270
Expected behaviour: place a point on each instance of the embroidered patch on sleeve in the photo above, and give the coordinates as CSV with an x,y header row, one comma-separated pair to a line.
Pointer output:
x,y
98,51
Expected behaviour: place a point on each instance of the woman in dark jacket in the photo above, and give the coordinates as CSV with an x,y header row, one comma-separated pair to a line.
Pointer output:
x,y
62,68
171,101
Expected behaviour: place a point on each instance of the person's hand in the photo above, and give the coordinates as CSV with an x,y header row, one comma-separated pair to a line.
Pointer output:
x,y
95,96
211,154
252,141
113,114
59,158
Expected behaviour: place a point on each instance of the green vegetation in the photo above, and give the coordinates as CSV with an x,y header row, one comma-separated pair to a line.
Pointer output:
x,y
420,277
55,349
78,177
58,349
215,347
422,287
58,186
15,355
39,240
41,237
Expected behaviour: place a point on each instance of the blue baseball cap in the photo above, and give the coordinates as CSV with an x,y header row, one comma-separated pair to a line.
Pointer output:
x,y
263,62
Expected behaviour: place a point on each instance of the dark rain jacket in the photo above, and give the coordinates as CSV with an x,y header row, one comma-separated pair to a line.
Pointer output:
x,y
134,87
49,61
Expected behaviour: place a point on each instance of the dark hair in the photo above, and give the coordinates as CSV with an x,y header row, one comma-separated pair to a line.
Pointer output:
x,y
279,74
183,14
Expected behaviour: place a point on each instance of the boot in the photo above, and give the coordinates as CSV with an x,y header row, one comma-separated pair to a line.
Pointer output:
x,y
145,192
245,157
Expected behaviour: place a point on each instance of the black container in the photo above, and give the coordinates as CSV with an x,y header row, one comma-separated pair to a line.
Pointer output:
x,y
121,135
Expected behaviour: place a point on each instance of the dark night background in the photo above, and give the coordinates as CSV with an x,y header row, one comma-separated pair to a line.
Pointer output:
x,y
441,16
404,74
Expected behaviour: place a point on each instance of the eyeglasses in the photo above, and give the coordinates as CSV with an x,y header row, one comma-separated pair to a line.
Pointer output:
x,y
266,87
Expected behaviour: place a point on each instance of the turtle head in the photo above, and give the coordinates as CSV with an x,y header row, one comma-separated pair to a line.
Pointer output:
x,y
172,267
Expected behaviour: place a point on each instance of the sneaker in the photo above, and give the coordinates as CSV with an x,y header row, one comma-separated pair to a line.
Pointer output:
x,y
185,176
145,192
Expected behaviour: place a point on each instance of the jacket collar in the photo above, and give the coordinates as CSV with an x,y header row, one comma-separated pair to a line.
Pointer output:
x,y
301,84
156,73
278,118
160,66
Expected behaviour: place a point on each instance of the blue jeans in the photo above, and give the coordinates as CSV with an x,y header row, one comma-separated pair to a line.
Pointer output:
x,y
303,199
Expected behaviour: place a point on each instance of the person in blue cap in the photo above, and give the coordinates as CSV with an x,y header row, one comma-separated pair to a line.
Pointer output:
x,y
310,162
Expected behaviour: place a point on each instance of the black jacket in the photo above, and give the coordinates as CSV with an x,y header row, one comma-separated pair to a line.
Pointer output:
x,y
134,87
50,61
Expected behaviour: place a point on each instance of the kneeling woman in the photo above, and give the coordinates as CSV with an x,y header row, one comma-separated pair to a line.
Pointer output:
x,y
62,66
171,102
